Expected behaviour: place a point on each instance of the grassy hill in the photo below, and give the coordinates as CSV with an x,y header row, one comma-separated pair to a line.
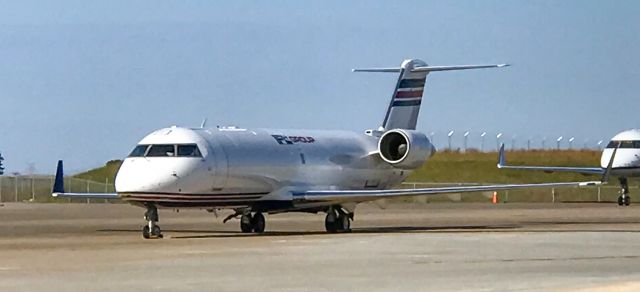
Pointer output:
x,y
100,174
473,166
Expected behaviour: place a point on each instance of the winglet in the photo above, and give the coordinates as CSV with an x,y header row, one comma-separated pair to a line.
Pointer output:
x,y
605,176
501,160
58,185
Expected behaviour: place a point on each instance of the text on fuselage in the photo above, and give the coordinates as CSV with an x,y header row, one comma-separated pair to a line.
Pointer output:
x,y
289,140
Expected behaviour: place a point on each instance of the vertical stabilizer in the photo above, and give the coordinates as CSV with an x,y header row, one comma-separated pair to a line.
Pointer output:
x,y
404,107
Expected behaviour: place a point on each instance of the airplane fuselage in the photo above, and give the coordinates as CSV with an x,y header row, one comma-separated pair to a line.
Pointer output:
x,y
239,167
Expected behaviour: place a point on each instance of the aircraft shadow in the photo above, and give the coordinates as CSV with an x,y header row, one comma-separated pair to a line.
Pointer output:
x,y
524,227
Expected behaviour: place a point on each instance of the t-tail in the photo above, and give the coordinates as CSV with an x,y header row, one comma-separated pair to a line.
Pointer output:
x,y
404,107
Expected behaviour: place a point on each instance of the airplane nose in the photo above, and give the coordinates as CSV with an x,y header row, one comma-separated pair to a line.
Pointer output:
x,y
141,175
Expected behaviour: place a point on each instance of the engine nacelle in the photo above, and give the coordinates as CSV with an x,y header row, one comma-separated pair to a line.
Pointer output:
x,y
406,149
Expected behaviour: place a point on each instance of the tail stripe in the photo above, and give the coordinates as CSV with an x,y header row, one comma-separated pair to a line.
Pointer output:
x,y
409,83
405,94
413,102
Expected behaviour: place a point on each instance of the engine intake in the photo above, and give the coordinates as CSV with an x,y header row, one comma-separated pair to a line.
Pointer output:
x,y
406,149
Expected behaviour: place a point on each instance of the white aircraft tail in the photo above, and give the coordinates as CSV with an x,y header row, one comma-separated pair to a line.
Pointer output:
x,y
404,107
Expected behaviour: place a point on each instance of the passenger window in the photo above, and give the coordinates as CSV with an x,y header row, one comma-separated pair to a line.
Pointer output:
x,y
190,150
162,151
139,151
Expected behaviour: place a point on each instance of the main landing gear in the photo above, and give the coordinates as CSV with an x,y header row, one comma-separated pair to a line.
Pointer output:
x,y
248,223
337,220
151,229
624,198
252,223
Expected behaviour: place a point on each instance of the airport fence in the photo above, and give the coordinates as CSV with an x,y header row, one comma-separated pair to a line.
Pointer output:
x,y
37,188
602,193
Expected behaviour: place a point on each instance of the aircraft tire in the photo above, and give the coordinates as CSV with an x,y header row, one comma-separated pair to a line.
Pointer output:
x,y
627,200
245,223
145,232
620,201
344,223
330,222
156,232
258,223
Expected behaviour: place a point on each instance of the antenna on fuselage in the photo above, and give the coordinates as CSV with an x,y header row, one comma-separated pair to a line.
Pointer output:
x,y
204,123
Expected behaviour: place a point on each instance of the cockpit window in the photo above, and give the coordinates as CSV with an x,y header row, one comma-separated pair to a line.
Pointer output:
x,y
189,150
624,144
139,151
161,151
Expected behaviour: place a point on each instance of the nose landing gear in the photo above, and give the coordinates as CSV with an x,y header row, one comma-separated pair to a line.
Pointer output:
x,y
624,198
151,229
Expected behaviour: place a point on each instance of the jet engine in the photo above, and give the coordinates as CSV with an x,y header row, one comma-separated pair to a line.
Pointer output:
x,y
405,149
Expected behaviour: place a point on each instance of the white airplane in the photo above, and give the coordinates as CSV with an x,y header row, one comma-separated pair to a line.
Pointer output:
x,y
626,163
256,171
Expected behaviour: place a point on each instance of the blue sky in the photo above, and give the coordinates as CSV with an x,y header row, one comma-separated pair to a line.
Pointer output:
x,y
85,80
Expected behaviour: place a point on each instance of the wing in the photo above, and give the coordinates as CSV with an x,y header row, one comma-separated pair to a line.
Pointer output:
x,y
341,196
58,189
502,164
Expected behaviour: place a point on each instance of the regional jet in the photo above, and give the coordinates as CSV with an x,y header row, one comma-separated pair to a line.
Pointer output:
x,y
258,171
625,165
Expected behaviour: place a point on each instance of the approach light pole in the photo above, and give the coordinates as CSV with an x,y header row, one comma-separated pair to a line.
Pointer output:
x,y
571,142
544,143
586,144
498,141
449,136
529,144
558,142
600,144
513,142
482,141
466,135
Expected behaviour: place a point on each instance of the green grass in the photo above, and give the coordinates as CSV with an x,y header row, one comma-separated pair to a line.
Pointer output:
x,y
102,174
477,167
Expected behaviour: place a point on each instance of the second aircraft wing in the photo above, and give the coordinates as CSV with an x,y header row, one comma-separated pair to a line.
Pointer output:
x,y
502,164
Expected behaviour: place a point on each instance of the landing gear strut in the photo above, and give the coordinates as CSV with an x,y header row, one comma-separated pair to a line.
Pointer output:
x,y
624,198
151,229
252,223
337,220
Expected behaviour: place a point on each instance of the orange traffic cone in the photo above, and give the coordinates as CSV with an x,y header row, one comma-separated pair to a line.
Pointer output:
x,y
495,198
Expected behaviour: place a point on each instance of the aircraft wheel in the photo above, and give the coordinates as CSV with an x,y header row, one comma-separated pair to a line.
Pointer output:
x,y
155,231
344,223
620,202
245,223
145,232
258,223
627,200
330,221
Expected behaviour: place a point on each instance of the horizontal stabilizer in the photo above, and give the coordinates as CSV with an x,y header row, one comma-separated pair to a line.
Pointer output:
x,y
58,188
430,68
